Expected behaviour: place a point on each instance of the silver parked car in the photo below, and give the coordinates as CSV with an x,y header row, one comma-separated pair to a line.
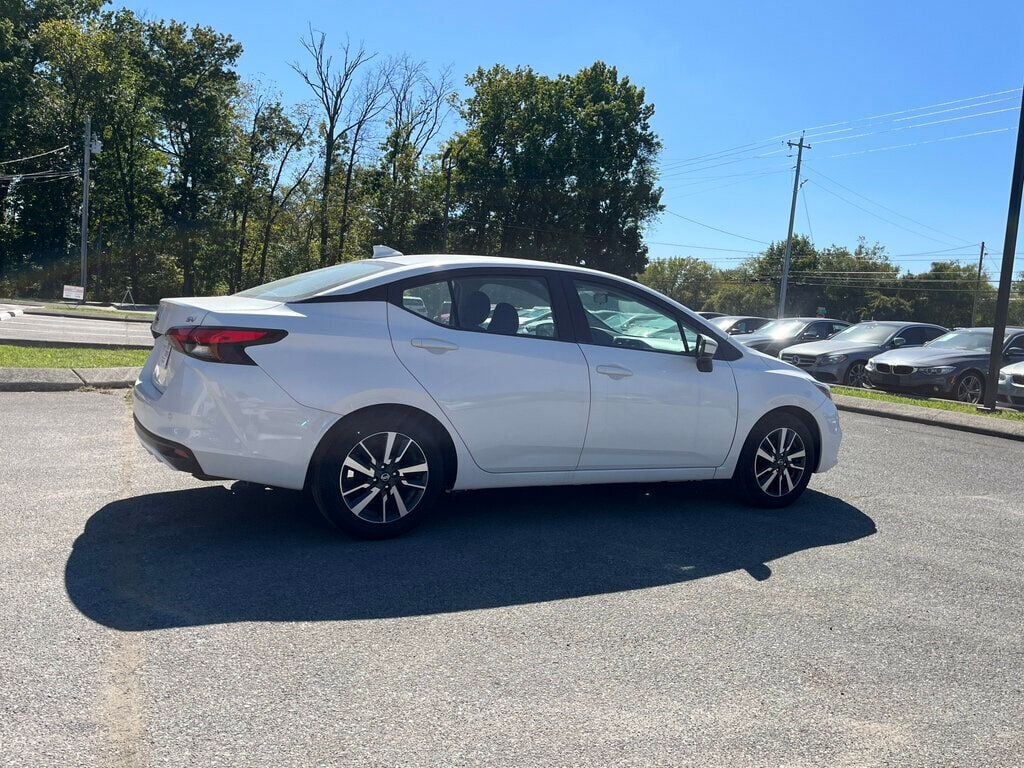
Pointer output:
x,y
1011,386
843,358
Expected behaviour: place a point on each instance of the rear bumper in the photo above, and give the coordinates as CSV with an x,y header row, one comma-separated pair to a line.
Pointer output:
x,y
220,421
174,455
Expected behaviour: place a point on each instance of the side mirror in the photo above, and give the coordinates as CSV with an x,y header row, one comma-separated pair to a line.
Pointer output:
x,y
706,349
1014,353
898,342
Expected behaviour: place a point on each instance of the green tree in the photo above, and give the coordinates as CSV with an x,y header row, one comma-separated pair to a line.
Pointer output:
x,y
194,78
689,281
558,169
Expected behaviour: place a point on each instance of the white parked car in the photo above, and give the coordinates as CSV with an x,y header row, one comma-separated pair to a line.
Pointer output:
x,y
337,382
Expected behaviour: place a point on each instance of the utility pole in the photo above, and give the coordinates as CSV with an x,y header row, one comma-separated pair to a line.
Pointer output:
x,y
995,360
792,219
86,151
446,158
977,287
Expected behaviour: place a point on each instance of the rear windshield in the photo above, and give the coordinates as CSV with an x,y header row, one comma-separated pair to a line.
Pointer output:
x,y
307,284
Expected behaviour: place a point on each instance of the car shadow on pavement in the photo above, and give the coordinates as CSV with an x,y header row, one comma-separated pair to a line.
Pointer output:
x,y
217,554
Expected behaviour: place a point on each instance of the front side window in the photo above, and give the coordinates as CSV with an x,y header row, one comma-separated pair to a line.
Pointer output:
x,y
618,319
913,336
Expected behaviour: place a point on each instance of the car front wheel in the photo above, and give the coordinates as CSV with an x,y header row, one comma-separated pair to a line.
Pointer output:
x,y
970,388
777,461
379,478
857,375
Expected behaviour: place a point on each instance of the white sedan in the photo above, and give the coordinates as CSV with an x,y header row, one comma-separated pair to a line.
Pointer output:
x,y
381,384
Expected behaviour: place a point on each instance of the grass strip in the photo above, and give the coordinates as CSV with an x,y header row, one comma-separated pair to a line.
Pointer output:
x,y
13,356
939,405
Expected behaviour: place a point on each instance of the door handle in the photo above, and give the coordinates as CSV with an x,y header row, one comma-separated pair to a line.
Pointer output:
x,y
614,371
437,346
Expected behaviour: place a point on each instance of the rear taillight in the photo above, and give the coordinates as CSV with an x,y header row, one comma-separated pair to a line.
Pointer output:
x,y
221,345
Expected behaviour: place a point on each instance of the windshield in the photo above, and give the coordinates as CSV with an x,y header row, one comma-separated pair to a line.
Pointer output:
x,y
307,284
868,333
724,322
780,329
973,339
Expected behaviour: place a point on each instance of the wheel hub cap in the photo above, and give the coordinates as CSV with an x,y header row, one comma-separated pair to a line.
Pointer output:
x,y
780,461
384,477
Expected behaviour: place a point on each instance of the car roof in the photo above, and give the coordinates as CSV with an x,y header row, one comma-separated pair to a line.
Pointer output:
x,y
412,265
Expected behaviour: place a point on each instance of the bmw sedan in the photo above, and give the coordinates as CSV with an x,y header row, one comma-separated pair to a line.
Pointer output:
x,y
953,366
338,382
843,358
771,338
1011,386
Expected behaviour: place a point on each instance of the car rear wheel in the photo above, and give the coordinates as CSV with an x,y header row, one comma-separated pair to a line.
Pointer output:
x,y
970,388
856,375
379,478
777,461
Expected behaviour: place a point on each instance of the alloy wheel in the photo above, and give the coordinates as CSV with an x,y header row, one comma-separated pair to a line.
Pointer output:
x,y
384,477
780,462
857,375
969,389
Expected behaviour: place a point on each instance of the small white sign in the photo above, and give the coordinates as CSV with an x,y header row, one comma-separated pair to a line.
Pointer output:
x,y
76,292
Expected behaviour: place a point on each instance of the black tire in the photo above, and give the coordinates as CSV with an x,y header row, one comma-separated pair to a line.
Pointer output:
x,y
393,498
770,482
856,375
969,388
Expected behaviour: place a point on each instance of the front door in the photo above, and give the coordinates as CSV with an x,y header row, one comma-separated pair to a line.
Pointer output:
x,y
487,349
650,406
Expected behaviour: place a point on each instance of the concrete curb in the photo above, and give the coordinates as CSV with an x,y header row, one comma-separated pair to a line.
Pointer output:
x,y
79,316
916,414
65,379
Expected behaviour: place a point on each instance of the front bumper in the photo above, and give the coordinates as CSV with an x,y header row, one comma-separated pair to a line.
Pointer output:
x,y
914,383
1011,394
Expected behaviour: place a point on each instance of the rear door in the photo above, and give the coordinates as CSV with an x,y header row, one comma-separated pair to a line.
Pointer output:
x,y
495,351
650,406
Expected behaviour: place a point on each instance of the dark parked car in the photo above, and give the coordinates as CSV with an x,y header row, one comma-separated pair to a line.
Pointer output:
x,y
771,338
954,365
1011,386
737,325
842,359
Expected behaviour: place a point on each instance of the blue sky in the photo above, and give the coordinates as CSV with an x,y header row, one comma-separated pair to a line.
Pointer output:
x,y
731,74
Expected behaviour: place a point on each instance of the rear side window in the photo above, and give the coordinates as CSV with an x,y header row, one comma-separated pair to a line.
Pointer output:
x,y
505,305
433,301
932,333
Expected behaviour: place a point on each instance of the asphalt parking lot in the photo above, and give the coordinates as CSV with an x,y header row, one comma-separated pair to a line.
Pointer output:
x,y
76,330
150,619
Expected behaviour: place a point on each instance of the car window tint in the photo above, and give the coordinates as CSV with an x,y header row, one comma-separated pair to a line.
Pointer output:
x,y
913,336
932,333
619,319
432,301
837,327
510,306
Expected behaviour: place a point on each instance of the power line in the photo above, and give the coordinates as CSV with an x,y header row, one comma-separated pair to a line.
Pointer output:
x,y
886,208
716,229
920,143
877,216
807,213
33,157
903,111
